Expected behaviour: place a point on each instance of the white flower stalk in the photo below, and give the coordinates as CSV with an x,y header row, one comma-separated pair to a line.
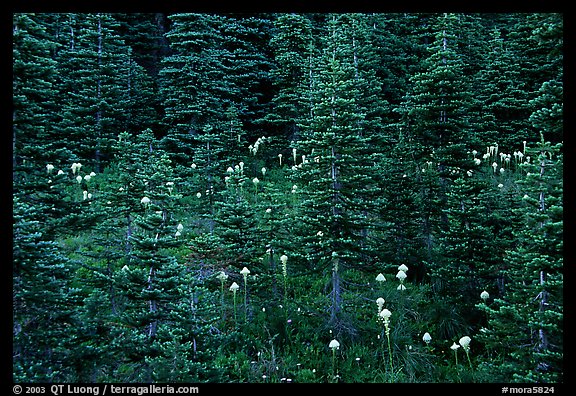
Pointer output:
x,y
222,276
334,345
385,315
455,347
245,272
465,343
180,227
177,234
234,288
255,181
284,260
49,168
87,178
79,179
263,171
145,201
403,268
294,155
380,302
280,159
427,338
401,287
484,295
380,278
85,195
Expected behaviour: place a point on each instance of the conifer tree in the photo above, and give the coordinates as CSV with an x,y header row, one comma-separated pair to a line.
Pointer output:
x,y
334,180
101,89
525,324
34,94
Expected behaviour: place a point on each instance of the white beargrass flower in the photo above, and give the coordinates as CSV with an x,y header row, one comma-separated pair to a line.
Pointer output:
x,y
427,338
403,268
177,234
92,174
268,210
145,200
230,170
199,195
454,346
401,275
477,161
263,171
245,271
180,227
79,179
284,259
87,178
49,168
334,344
85,194
385,314
222,276
255,180
380,278
60,172
500,185
401,287
234,287
380,302
465,342
76,167
193,166
484,295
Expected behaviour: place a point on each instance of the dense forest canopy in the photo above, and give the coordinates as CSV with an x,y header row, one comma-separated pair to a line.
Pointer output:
x,y
287,197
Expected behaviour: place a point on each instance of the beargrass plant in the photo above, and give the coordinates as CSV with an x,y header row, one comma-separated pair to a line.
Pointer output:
x,y
334,345
234,288
245,272
222,276
284,261
385,315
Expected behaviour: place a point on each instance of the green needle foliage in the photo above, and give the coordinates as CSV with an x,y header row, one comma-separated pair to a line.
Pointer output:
x,y
408,160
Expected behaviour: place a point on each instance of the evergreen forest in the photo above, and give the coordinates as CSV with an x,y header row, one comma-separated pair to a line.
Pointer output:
x,y
287,197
